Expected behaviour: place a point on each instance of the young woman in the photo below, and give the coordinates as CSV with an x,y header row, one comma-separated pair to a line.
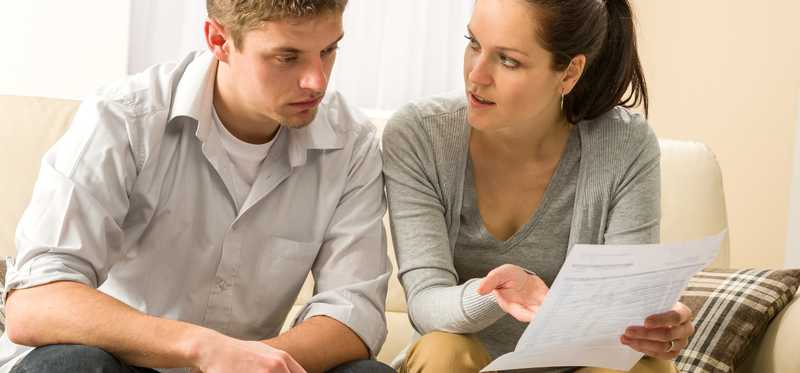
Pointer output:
x,y
488,190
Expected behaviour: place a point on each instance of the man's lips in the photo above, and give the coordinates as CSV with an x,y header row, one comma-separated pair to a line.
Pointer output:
x,y
306,104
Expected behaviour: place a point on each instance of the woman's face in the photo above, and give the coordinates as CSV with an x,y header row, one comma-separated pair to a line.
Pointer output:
x,y
508,75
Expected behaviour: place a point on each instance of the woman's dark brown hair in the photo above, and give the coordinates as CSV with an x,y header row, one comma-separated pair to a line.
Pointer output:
x,y
604,32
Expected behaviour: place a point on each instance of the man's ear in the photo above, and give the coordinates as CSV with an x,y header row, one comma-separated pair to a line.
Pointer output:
x,y
217,40
573,73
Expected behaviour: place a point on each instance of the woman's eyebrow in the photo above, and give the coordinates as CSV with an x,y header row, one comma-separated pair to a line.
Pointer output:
x,y
499,47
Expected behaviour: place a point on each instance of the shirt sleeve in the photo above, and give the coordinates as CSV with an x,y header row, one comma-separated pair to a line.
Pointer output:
x,y
635,210
71,230
436,302
352,270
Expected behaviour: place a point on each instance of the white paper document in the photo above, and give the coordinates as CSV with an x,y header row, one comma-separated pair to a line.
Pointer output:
x,y
599,292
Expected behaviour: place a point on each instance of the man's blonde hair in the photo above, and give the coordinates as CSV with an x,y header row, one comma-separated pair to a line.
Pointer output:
x,y
241,16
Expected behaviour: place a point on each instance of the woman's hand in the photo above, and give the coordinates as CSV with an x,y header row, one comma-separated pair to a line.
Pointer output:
x,y
518,293
664,335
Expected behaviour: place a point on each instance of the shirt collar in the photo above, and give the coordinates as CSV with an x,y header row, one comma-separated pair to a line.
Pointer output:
x,y
194,95
194,98
317,135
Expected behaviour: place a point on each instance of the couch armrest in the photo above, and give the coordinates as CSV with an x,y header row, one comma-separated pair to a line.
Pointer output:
x,y
777,350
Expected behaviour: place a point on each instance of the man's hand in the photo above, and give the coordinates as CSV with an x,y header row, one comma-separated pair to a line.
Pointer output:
x,y
223,354
664,335
518,293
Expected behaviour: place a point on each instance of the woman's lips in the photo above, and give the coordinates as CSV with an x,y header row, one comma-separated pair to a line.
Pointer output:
x,y
479,102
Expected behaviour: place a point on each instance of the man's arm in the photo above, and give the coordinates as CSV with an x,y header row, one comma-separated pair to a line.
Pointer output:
x,y
305,343
344,320
70,237
73,313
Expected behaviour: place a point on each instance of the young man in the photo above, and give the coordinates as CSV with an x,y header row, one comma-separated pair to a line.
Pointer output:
x,y
175,222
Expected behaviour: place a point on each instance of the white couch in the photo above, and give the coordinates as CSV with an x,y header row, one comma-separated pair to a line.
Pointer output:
x,y
693,206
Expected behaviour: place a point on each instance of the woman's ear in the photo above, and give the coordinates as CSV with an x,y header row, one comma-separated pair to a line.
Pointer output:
x,y
573,73
217,40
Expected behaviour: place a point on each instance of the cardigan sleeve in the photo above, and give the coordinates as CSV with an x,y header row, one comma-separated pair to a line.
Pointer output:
x,y
420,233
635,207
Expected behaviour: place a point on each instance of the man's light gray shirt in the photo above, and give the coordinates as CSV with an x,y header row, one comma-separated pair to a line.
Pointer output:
x,y
136,199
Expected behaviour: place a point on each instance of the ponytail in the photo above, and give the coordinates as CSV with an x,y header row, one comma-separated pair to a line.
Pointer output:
x,y
604,32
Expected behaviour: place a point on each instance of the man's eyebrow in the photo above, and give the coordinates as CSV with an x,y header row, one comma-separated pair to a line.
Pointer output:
x,y
287,50
293,50
336,41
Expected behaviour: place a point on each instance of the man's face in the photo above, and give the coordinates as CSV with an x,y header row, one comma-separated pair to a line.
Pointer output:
x,y
280,71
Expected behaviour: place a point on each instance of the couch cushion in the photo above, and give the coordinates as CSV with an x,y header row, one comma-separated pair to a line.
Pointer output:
x,y
732,308
34,124
692,197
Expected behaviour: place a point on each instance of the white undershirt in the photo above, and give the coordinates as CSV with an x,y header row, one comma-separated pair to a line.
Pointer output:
x,y
246,158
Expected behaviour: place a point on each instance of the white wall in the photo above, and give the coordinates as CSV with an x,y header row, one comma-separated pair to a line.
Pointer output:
x,y
63,49
793,240
725,72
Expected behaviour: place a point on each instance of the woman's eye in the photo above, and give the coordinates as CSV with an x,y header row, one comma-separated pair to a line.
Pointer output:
x,y
509,62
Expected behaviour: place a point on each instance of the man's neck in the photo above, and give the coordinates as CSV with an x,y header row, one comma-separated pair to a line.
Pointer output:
x,y
237,118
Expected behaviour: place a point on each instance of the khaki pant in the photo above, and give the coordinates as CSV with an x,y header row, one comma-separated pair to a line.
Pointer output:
x,y
440,352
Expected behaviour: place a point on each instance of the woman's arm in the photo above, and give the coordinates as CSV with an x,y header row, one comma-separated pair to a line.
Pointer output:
x,y
635,218
420,233
635,212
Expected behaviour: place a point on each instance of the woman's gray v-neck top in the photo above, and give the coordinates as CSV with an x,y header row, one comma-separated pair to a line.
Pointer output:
x,y
540,245
612,164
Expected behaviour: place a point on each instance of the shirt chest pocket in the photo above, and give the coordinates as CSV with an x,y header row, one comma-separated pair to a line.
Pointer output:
x,y
280,262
